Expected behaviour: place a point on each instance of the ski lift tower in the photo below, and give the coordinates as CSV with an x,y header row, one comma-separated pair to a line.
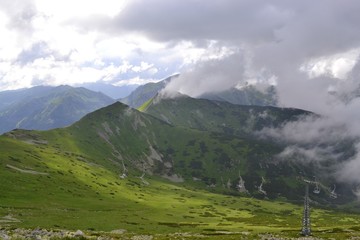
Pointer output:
x,y
306,227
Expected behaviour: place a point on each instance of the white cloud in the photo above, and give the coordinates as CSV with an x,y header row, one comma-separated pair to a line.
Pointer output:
x,y
142,67
8,48
56,52
338,65
135,81
49,44
209,75
153,71
49,71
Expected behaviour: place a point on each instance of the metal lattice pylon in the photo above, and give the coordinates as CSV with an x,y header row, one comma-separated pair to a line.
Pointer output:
x,y
306,226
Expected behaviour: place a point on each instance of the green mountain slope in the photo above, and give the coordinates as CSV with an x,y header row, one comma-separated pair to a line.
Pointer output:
x,y
45,108
237,122
75,178
206,115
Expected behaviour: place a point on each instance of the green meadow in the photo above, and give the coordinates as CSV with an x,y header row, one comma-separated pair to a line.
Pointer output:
x,y
68,192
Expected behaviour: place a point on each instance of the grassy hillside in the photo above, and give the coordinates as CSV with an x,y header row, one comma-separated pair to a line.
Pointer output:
x,y
74,189
206,158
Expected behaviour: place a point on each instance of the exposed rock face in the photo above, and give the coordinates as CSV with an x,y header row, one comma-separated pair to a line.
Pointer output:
x,y
174,178
45,234
118,231
79,233
4,236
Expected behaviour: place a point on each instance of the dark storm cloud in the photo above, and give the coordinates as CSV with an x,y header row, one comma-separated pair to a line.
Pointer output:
x,y
316,27
195,20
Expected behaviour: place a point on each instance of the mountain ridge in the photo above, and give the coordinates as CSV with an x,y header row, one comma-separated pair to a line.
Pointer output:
x,y
53,107
247,95
186,111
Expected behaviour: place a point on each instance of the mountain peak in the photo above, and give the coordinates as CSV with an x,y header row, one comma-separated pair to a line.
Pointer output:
x,y
146,92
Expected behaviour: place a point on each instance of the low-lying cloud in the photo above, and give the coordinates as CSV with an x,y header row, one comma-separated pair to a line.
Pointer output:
x,y
331,143
214,75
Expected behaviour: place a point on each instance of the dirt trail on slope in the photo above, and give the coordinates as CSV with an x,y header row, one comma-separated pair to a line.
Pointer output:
x,y
25,170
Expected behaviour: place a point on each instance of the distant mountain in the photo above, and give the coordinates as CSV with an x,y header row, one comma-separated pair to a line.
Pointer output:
x,y
248,95
145,92
115,92
8,98
44,108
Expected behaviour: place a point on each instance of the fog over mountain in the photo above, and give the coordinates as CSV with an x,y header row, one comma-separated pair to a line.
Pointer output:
x,y
308,49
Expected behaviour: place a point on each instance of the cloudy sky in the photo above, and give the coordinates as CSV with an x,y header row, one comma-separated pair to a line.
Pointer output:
x,y
313,45
308,49
301,46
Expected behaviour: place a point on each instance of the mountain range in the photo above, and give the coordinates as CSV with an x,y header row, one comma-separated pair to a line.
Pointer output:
x,y
247,95
46,107
187,139
115,92
43,107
